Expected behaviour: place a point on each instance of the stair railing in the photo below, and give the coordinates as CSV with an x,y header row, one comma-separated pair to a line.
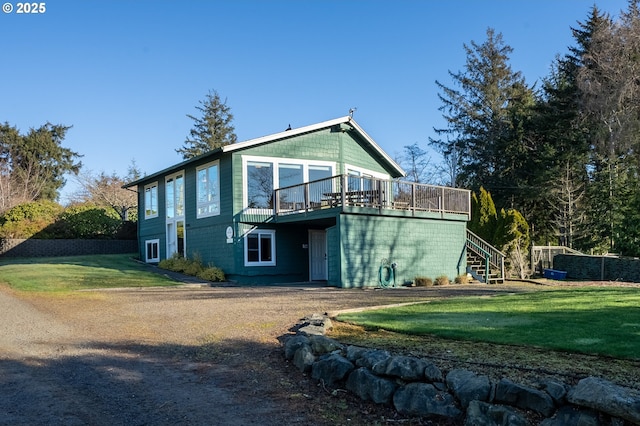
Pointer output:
x,y
492,256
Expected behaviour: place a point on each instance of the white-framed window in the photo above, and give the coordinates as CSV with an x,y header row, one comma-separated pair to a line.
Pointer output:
x,y
151,200
208,189
260,248
174,195
264,174
360,179
152,251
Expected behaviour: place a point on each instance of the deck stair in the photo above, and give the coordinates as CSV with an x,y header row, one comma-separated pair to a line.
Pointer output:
x,y
485,263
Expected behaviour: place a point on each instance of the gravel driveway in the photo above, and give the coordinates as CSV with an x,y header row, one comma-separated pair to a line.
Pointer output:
x,y
159,356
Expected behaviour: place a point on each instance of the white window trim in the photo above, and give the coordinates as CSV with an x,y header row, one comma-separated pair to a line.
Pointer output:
x,y
144,197
272,262
146,251
276,161
198,204
367,172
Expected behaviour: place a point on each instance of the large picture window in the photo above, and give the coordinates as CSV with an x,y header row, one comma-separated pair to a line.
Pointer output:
x,y
260,248
208,190
151,200
264,174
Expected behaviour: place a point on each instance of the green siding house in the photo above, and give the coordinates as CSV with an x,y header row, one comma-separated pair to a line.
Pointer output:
x,y
321,203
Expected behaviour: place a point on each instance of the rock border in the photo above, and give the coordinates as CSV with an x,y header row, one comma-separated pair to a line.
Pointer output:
x,y
418,387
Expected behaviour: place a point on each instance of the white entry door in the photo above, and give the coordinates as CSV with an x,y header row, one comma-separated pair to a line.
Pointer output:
x,y
317,255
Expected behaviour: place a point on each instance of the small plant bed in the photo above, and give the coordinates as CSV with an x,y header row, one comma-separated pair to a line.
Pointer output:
x,y
591,320
69,273
193,267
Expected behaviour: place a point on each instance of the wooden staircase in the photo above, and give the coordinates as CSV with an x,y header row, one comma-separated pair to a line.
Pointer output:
x,y
485,263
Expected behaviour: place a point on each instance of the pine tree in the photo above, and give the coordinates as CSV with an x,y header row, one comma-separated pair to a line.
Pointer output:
x,y
212,130
486,118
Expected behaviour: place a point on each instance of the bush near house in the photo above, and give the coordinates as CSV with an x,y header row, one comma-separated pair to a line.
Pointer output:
x,y
423,282
442,280
193,267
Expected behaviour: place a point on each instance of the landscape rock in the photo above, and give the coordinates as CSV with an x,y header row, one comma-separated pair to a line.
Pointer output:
x,y
572,416
372,357
324,345
312,330
484,414
404,367
467,386
557,391
433,374
331,368
524,397
293,343
370,387
605,396
304,358
423,399
354,353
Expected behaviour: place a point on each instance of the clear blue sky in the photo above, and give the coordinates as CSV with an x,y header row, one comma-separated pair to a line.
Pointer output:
x,y
124,74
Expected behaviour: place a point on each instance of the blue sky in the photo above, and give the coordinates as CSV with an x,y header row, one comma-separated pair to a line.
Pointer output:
x,y
125,74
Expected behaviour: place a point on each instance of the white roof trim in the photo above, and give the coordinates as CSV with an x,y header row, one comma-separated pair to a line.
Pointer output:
x,y
276,136
311,128
285,134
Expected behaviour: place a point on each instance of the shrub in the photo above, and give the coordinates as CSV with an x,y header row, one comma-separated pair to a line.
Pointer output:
x,y
462,279
212,273
441,280
87,221
28,219
194,267
423,282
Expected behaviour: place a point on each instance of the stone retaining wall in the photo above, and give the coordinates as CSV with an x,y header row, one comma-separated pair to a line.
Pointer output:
x,y
418,387
51,248
598,268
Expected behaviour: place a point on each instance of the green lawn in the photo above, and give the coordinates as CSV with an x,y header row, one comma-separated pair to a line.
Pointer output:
x,y
62,274
603,321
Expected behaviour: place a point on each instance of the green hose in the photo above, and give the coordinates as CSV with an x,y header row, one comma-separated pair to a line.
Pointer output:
x,y
385,271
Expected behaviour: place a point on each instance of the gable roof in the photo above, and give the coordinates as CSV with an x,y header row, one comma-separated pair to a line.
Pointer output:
x,y
347,120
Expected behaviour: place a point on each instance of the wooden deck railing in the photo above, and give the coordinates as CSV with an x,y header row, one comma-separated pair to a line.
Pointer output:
x,y
355,191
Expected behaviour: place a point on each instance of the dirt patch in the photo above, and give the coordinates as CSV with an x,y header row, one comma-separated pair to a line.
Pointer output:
x,y
186,355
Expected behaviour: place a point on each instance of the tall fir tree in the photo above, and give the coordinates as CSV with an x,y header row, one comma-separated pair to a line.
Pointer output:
x,y
212,129
486,118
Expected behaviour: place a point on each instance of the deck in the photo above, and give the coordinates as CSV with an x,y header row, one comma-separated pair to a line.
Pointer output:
x,y
345,191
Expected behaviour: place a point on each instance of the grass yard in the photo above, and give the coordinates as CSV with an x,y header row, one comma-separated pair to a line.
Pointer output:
x,y
64,274
593,320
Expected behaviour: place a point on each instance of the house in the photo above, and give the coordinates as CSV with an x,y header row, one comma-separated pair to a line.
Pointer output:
x,y
317,203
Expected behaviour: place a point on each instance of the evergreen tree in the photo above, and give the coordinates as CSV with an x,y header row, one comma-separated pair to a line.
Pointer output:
x,y
610,102
212,130
512,237
486,119
484,216
33,165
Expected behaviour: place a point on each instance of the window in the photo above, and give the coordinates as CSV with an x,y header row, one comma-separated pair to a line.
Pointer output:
x,y
260,248
152,251
174,191
151,200
259,185
264,174
208,190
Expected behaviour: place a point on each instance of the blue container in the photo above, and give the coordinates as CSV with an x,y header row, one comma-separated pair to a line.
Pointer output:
x,y
552,274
